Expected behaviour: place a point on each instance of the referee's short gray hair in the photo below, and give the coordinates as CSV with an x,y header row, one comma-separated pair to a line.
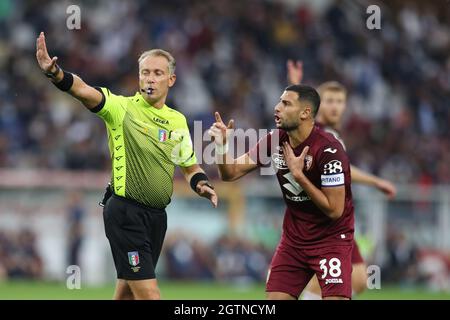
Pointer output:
x,y
160,53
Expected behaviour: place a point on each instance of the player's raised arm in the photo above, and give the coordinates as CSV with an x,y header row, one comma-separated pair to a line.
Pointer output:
x,y
385,186
294,71
63,80
229,168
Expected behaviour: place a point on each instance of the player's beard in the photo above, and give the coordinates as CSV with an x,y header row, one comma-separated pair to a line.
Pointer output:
x,y
289,126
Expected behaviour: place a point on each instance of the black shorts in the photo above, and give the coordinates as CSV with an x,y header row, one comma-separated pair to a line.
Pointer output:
x,y
136,235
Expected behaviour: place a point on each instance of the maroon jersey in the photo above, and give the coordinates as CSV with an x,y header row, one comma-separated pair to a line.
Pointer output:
x,y
334,132
326,165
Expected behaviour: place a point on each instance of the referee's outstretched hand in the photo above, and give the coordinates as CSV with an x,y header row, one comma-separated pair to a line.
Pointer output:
x,y
46,63
207,192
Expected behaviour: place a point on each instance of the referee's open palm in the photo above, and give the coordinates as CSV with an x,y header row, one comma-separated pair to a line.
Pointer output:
x,y
46,63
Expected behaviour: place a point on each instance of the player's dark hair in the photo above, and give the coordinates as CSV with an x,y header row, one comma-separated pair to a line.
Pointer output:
x,y
308,94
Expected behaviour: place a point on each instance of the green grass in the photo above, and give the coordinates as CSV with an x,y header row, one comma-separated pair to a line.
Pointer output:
x,y
183,291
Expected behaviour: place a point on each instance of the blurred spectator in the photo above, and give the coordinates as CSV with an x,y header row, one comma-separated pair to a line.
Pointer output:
x,y
188,258
228,259
402,261
19,257
75,219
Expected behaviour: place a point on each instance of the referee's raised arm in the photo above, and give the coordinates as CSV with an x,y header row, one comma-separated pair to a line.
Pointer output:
x,y
65,81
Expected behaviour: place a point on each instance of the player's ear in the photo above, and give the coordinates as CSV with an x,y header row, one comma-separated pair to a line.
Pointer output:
x,y
172,79
305,112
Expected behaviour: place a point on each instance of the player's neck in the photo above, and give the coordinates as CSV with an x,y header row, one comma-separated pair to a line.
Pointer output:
x,y
296,137
321,120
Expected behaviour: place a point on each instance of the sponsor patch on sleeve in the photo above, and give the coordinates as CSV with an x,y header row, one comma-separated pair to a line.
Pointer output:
x,y
332,180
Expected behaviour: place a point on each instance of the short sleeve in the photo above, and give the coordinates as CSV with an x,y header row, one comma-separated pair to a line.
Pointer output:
x,y
183,153
112,107
334,165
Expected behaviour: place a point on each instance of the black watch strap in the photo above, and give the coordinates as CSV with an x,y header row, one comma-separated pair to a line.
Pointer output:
x,y
208,184
52,75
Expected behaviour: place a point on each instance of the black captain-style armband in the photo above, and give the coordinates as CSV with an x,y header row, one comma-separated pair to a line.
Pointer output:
x,y
196,178
66,83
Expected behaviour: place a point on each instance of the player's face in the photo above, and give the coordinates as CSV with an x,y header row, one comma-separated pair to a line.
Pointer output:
x,y
154,74
332,107
287,111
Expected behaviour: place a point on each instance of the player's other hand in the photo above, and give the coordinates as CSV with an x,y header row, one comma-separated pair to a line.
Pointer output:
x,y
219,131
295,164
205,191
46,63
294,71
387,188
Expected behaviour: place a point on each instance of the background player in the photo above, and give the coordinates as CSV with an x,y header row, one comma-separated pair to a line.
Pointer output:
x,y
333,102
314,176
146,140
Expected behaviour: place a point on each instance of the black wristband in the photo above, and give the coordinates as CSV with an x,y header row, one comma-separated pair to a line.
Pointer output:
x,y
196,178
66,83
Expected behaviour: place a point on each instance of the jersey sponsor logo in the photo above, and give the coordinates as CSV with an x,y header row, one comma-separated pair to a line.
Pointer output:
x,y
330,150
308,162
279,162
293,185
332,180
300,198
133,258
162,135
333,281
162,121
332,167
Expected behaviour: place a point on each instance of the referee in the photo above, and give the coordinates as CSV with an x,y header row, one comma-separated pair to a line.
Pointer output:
x,y
146,140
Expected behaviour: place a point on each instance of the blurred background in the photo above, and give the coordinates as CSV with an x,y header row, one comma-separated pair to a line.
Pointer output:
x,y
231,57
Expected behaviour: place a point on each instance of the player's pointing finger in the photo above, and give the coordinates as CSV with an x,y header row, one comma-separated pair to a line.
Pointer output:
x,y
218,117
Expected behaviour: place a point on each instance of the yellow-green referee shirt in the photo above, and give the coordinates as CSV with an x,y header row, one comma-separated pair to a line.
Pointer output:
x,y
145,144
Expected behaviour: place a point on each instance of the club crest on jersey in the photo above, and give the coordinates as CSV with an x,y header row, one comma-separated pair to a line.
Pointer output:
x,y
162,135
308,162
133,258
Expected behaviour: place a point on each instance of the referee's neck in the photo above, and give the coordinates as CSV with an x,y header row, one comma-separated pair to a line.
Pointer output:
x,y
158,104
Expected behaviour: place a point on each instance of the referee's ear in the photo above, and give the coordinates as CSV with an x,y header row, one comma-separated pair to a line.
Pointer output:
x,y
172,79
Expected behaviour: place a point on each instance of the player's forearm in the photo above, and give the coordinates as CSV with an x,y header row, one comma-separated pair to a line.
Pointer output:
x,y
359,176
231,169
87,95
189,172
333,210
227,168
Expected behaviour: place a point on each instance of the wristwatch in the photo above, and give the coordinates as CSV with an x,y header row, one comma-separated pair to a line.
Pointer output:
x,y
52,75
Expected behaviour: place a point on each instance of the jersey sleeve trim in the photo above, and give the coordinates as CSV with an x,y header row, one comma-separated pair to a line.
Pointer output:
x,y
332,180
100,106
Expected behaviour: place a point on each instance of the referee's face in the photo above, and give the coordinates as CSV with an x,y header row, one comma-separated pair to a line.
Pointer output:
x,y
154,74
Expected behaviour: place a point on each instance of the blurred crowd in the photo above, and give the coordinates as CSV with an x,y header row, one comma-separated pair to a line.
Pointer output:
x,y
228,259
19,257
231,57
